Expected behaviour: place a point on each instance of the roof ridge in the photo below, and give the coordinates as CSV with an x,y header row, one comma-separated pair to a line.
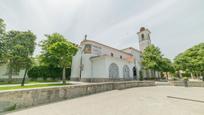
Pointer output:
x,y
106,46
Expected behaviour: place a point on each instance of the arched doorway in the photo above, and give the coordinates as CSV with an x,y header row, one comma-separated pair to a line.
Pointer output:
x,y
126,72
134,69
113,71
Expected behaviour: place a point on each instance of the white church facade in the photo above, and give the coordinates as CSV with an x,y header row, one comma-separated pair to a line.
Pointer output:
x,y
96,62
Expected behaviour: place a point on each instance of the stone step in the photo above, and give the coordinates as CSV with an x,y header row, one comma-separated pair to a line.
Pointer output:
x,y
162,83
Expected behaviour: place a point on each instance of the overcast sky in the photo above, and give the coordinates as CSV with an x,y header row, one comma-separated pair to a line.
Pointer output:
x,y
174,24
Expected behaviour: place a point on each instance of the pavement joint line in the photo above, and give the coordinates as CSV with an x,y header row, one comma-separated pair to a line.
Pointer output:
x,y
185,99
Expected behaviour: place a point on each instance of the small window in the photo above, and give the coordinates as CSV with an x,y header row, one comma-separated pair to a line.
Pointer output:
x,y
87,49
121,57
112,54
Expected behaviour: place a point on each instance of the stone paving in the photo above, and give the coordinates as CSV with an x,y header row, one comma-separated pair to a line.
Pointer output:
x,y
134,101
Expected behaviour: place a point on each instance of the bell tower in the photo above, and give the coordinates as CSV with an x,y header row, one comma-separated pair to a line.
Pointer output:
x,y
144,38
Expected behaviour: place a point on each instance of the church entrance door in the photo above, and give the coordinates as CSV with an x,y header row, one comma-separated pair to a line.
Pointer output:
x,y
126,72
134,72
113,71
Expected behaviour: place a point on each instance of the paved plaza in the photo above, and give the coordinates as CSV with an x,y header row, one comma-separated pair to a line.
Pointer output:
x,y
134,101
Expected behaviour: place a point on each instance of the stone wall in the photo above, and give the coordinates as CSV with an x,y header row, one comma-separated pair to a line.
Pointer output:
x,y
95,80
190,83
32,97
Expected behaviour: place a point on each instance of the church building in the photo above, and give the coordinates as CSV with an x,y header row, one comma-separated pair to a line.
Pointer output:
x,y
96,62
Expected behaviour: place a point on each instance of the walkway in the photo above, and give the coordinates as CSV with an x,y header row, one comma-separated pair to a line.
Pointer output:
x,y
159,100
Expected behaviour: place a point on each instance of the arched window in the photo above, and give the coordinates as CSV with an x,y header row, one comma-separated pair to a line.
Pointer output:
x,y
126,72
142,37
113,71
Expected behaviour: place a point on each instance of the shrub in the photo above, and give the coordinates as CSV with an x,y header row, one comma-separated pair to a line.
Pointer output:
x,y
174,78
185,78
186,74
141,75
150,78
45,73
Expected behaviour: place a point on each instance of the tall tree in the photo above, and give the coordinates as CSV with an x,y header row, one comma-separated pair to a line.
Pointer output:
x,y
9,45
19,48
2,26
63,52
25,48
167,66
2,34
152,58
46,58
57,52
191,60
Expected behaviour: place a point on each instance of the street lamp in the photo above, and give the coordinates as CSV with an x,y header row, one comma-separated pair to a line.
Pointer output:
x,y
81,65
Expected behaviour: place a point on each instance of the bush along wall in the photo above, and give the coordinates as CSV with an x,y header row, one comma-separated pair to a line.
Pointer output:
x,y
47,73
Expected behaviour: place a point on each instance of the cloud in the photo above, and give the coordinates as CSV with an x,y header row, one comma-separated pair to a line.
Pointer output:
x,y
112,22
140,17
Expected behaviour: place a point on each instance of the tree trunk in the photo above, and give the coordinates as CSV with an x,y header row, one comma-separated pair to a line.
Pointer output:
x,y
203,76
10,75
180,75
64,76
167,76
23,81
154,74
197,74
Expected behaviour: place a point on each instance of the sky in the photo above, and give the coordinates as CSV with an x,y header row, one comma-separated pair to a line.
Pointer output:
x,y
175,25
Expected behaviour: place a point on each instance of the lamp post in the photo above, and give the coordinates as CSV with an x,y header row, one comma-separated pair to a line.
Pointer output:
x,y
81,67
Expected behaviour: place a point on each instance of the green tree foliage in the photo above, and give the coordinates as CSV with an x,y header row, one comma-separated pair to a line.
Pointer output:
x,y
57,52
19,49
47,73
46,58
167,66
2,26
191,60
152,58
25,48
2,34
63,52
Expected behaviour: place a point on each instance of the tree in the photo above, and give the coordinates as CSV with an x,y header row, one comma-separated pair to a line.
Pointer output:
x,y
57,52
27,64
63,52
46,58
25,48
2,34
9,50
152,58
19,48
167,66
2,26
191,60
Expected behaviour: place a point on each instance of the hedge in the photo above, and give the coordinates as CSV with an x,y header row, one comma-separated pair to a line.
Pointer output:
x,y
44,72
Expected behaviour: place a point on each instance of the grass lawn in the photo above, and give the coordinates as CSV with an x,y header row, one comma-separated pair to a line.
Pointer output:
x,y
27,82
30,86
